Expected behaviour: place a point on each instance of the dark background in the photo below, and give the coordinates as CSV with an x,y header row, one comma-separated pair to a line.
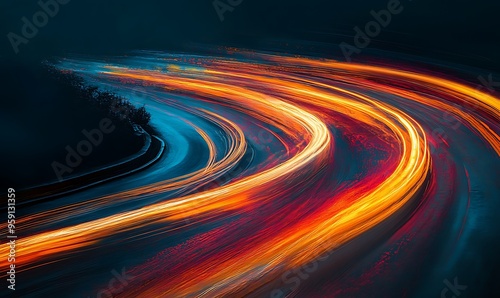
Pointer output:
x,y
462,31
37,120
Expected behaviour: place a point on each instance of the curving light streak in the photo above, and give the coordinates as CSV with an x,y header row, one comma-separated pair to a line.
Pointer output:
x,y
301,99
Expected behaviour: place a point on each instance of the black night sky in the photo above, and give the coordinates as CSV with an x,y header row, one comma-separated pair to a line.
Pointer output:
x,y
455,30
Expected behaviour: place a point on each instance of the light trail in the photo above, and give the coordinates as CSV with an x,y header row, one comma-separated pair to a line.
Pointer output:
x,y
298,101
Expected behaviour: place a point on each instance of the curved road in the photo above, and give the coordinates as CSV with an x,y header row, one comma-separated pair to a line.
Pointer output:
x,y
285,177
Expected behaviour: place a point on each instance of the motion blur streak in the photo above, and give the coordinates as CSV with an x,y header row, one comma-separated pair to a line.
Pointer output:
x,y
351,151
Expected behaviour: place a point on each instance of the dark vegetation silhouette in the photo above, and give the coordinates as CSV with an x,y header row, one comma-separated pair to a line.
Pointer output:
x,y
43,111
116,107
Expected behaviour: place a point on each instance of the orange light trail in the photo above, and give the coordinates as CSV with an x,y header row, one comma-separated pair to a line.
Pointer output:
x,y
301,99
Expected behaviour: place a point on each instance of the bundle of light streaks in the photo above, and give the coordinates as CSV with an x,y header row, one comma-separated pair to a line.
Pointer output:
x,y
298,101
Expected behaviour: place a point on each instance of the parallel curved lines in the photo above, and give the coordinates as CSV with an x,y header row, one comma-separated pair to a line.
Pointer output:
x,y
225,198
298,101
369,210
213,169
